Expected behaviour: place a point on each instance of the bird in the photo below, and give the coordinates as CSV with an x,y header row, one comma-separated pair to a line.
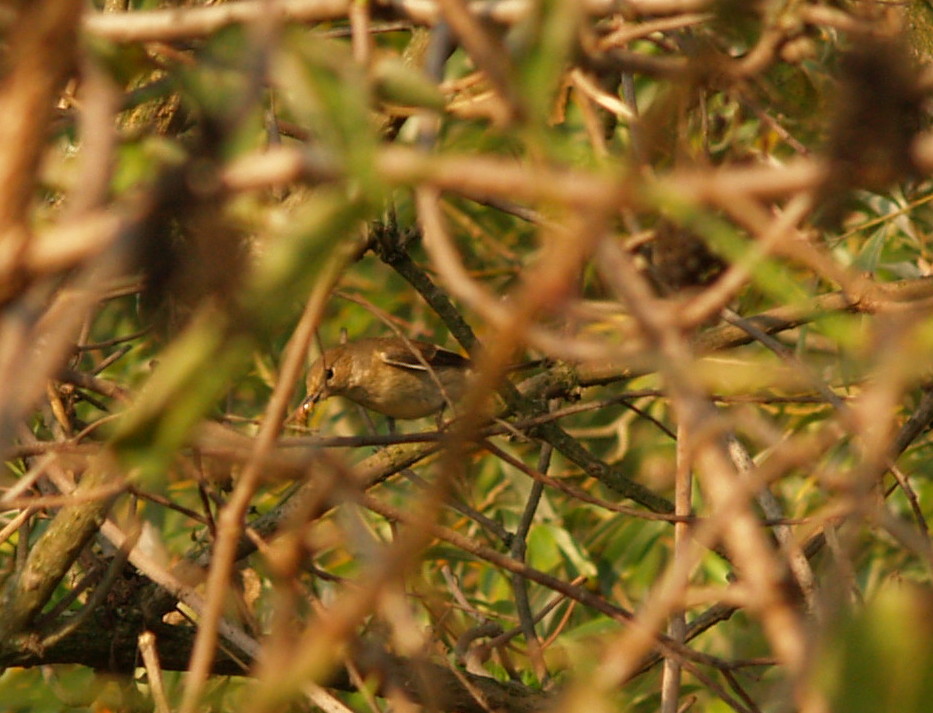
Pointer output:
x,y
400,378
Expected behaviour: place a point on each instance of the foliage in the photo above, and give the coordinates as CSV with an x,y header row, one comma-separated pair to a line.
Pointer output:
x,y
684,246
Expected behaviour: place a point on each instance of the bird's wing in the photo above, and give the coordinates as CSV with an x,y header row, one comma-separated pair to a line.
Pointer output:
x,y
401,356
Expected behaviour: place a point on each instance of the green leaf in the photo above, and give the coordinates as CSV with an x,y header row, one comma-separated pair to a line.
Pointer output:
x,y
397,83
549,546
328,92
881,658
870,255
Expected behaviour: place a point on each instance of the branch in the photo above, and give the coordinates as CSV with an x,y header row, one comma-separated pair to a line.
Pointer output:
x,y
52,555
201,21
108,643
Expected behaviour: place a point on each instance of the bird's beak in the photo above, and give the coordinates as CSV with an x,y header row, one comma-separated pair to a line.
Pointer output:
x,y
301,414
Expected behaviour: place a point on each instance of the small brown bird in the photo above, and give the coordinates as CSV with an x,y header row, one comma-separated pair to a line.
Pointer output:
x,y
388,375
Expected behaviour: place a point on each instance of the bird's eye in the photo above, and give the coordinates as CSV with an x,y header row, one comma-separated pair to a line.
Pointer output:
x,y
328,374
